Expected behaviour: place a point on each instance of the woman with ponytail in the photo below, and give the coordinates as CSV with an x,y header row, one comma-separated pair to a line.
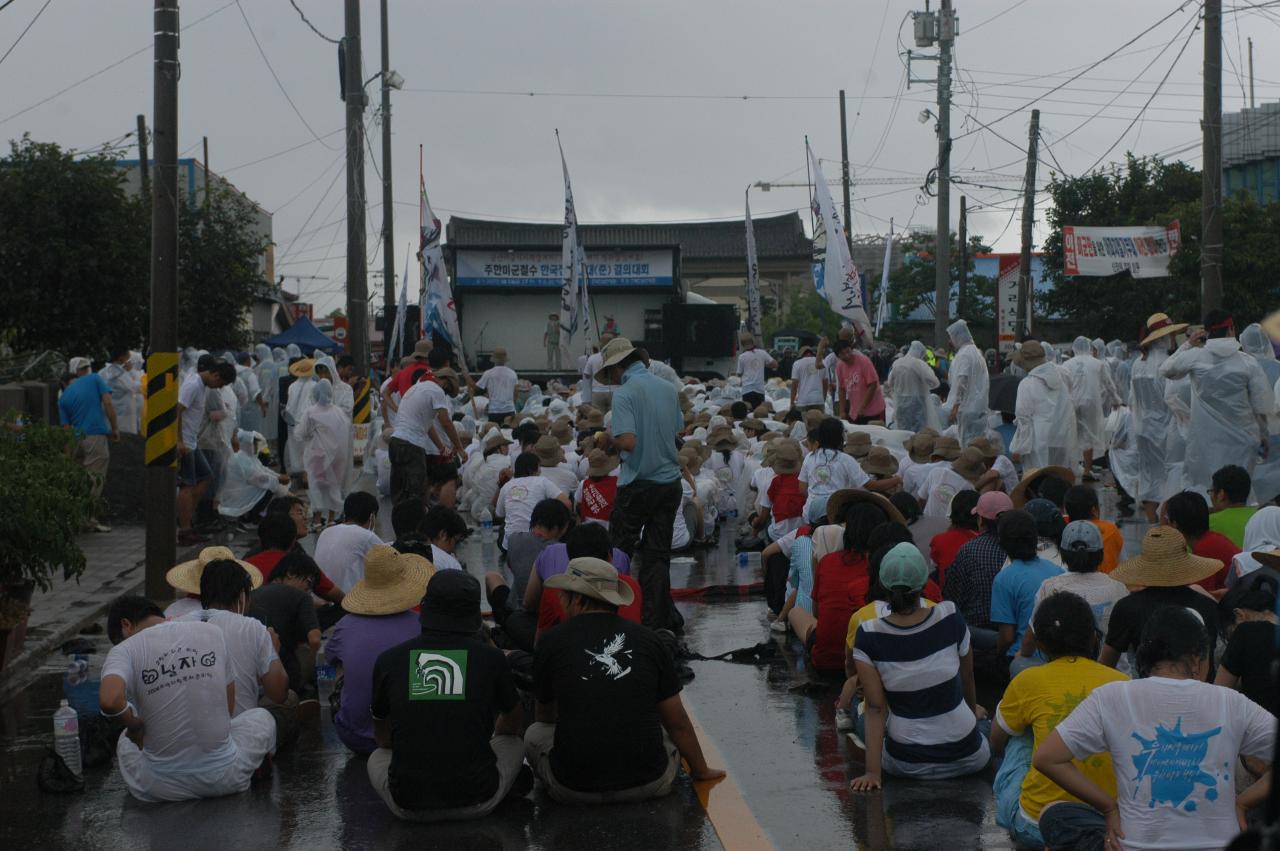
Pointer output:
x,y
1174,742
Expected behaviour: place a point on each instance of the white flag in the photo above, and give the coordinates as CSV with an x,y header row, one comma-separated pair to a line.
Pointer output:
x,y
883,306
437,309
397,333
834,275
573,289
753,276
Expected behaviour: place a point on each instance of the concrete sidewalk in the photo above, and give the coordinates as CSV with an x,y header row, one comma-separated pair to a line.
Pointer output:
x,y
114,566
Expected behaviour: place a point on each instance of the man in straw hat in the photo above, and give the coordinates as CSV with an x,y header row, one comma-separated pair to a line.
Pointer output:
x,y
498,383
1044,412
1231,399
646,420
752,363
446,713
1150,416
598,665
379,616
178,742
1163,576
552,465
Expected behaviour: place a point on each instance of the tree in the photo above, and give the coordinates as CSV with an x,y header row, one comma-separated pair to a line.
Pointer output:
x,y
73,252
1149,191
912,286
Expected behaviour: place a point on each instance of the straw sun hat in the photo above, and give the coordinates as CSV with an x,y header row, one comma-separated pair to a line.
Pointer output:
x,y
1160,325
393,582
969,464
1033,476
304,368
840,500
185,577
1165,562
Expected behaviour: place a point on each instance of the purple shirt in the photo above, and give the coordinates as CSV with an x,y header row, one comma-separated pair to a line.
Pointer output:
x,y
554,560
356,643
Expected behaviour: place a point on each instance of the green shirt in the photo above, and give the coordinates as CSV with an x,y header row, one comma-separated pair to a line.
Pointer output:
x,y
1231,522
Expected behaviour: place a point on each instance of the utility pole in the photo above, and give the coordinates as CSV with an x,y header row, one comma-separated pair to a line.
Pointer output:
x,y
357,284
1022,323
1252,104
161,452
962,237
942,270
844,176
1211,163
388,235
144,167
207,187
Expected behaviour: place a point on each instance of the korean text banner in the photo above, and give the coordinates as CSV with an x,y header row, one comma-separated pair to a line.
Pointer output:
x,y
1143,252
545,269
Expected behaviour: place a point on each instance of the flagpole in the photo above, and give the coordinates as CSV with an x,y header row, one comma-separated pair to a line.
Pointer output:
x,y
422,223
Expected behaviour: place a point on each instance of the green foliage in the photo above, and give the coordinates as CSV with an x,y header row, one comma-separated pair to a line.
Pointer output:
x,y
75,265
805,310
912,287
1148,191
46,497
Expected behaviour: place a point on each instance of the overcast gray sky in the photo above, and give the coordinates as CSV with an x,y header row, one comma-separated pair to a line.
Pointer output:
x,y
669,135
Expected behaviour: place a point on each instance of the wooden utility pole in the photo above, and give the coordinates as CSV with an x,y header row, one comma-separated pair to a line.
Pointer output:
x,y
844,176
1211,163
207,187
144,167
357,263
388,233
962,237
161,454
1252,104
1025,290
942,260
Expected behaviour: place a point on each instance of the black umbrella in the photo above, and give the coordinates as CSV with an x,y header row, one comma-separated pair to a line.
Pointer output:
x,y
1004,393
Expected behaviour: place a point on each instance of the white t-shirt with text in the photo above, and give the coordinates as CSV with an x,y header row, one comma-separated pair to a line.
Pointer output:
x,y
249,651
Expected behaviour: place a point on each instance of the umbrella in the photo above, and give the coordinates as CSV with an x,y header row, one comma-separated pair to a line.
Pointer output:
x,y
1003,395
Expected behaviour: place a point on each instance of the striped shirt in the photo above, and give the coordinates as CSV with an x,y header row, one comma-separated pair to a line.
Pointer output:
x,y
929,720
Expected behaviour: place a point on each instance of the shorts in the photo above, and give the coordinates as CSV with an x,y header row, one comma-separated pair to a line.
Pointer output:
x,y
193,468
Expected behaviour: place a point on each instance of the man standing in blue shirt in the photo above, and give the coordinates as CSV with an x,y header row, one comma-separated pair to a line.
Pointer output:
x,y
85,407
646,421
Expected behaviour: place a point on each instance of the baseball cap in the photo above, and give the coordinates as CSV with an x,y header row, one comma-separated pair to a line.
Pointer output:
x,y
992,504
77,364
904,567
1081,535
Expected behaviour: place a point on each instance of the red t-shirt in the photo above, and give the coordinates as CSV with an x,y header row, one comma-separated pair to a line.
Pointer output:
x,y
551,613
945,545
840,585
597,498
855,378
404,378
267,560
785,497
1219,548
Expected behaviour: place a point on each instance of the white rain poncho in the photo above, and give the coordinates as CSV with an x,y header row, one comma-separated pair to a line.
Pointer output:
x,y
123,383
343,396
1266,476
268,371
1261,535
246,480
1151,425
292,351
1045,419
1091,389
970,384
326,431
1254,341
1121,368
1229,392
909,382
296,405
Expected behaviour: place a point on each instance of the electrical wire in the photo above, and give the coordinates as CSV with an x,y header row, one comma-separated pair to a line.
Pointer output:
x,y
303,15
994,17
276,77
866,80
25,31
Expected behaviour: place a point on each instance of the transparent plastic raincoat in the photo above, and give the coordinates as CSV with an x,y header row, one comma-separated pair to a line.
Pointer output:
x,y
909,382
970,384
1045,419
1091,390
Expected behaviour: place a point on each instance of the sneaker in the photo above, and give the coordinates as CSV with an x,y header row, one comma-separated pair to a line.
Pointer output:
x,y
844,721
779,627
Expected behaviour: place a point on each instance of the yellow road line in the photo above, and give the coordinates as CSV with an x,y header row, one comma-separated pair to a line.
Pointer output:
x,y
734,823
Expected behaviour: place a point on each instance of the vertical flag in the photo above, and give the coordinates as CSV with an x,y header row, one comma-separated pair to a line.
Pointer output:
x,y
573,289
882,307
834,275
437,309
753,275
397,334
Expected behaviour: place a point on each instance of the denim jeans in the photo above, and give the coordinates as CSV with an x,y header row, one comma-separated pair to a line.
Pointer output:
x,y
642,523
1073,827
1008,791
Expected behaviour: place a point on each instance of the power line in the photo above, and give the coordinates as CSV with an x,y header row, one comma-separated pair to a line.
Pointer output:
x,y
866,81
24,32
617,95
302,15
288,150
6,5
276,77
995,16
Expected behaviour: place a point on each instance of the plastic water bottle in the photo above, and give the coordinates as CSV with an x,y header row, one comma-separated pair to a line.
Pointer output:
x,y
744,559
326,675
486,526
66,737
77,671
488,541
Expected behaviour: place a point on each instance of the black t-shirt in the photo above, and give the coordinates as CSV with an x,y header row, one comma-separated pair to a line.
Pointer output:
x,y
606,676
290,612
1130,614
441,691
1248,656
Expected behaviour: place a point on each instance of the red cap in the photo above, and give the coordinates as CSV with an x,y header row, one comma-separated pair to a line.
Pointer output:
x,y
992,504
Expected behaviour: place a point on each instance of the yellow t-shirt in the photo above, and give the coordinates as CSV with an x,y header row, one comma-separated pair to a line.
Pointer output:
x,y
872,611
1040,698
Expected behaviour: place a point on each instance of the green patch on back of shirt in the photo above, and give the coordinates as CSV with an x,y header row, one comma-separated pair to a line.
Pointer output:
x,y
438,675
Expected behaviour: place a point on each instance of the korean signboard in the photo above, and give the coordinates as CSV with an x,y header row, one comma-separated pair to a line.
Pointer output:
x,y
1143,252
543,269
1007,299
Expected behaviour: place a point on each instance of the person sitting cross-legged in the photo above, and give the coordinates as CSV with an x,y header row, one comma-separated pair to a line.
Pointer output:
x,y
597,666
446,714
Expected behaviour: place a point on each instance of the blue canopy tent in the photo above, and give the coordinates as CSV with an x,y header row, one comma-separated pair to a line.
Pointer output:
x,y
307,337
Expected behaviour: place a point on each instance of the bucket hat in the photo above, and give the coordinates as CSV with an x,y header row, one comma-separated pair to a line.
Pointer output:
x,y
786,456
601,463
548,451
614,352
947,448
594,578
969,464
879,461
857,444
840,500
1034,475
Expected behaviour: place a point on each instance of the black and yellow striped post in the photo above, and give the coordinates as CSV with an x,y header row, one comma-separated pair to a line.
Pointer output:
x,y
363,403
161,410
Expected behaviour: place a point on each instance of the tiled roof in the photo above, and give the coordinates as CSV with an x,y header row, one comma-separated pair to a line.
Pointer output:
x,y
777,237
